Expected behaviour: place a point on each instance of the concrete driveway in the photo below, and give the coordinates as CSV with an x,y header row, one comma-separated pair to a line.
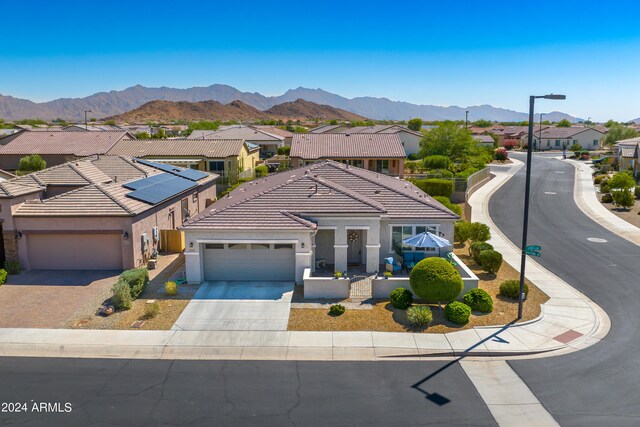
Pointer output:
x,y
238,306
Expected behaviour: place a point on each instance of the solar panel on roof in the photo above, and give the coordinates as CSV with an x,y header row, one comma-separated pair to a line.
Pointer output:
x,y
155,191
192,174
144,182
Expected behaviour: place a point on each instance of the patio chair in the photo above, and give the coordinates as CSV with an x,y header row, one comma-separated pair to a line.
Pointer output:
x,y
390,265
409,260
418,256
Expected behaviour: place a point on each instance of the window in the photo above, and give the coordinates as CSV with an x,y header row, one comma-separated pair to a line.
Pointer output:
x,y
172,219
184,207
195,198
399,233
557,143
214,246
282,246
382,166
595,142
237,246
260,246
216,166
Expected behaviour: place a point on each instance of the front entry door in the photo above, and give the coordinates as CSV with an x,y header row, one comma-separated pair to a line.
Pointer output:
x,y
354,246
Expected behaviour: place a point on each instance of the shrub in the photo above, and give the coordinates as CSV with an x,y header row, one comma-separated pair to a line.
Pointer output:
x,y
622,180
490,260
598,179
604,186
466,173
413,156
436,186
623,198
31,163
284,151
411,166
171,288
388,274
3,276
435,280
336,309
461,231
12,267
440,173
636,192
511,289
456,209
337,274
419,315
502,154
576,148
401,298
137,279
436,162
479,232
478,300
261,171
151,309
476,248
606,198
121,297
457,313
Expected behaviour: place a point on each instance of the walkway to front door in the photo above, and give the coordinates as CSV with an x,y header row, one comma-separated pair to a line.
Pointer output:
x,y
238,306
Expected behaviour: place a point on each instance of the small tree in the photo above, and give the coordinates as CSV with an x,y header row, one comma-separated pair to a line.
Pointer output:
x,y
623,198
461,232
31,163
479,232
622,180
564,123
415,124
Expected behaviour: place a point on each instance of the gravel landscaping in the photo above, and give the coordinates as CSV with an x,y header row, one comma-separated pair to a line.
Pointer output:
x,y
384,318
632,216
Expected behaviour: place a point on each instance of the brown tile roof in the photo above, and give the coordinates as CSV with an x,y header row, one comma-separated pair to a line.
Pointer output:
x,y
275,131
483,138
208,148
62,142
237,132
121,168
286,200
346,146
563,133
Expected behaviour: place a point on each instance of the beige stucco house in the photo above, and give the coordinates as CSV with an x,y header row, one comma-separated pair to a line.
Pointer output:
x,y
410,138
326,213
378,152
267,141
101,213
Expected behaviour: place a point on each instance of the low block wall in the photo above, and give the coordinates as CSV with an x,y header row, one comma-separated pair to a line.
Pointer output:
x,y
325,287
381,288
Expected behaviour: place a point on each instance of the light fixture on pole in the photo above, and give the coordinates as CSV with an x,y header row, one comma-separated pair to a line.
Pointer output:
x,y
86,127
527,190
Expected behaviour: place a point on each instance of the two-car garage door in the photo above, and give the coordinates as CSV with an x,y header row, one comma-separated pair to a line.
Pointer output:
x,y
273,262
75,251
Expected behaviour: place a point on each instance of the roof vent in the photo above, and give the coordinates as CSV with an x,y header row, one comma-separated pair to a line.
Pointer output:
x,y
377,191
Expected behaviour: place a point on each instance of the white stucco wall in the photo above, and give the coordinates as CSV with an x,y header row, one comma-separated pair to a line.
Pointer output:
x,y
411,142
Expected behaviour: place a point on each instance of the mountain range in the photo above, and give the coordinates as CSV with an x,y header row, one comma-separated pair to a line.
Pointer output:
x,y
169,111
105,104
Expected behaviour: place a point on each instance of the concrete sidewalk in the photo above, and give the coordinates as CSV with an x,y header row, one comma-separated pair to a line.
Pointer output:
x,y
569,321
585,197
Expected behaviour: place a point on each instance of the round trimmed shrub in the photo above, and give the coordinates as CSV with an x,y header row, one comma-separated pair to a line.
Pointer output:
x,y
457,313
336,309
435,280
436,162
476,248
606,198
511,289
490,260
171,288
121,297
478,300
401,298
419,315
436,186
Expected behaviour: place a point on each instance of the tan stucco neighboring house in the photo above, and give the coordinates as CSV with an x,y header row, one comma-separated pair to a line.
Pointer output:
x,y
627,154
229,158
56,146
101,213
410,138
268,142
379,152
326,213
558,138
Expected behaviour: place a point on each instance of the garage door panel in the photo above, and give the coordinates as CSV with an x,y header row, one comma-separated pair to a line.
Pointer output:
x,y
249,264
75,251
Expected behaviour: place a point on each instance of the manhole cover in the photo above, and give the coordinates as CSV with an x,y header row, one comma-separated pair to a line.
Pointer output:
x,y
596,240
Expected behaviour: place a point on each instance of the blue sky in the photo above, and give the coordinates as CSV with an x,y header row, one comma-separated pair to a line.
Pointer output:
x,y
443,53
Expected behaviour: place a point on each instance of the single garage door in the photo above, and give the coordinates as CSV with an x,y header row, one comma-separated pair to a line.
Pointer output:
x,y
75,251
270,262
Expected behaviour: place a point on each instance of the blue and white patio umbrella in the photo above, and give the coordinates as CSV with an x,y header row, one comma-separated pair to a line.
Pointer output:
x,y
427,240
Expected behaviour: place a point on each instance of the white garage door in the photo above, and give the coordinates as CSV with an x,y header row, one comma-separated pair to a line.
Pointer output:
x,y
75,251
264,262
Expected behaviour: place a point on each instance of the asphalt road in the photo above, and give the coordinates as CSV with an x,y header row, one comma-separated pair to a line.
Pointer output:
x,y
246,393
599,385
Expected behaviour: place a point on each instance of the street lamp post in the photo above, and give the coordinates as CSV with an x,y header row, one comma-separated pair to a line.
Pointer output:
x,y
86,127
539,147
527,190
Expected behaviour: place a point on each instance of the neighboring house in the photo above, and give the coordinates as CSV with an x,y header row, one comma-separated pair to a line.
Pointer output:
x,y
56,147
627,153
136,129
514,135
410,139
484,140
378,152
103,213
555,138
267,141
288,135
4,175
272,229
7,132
229,158
90,128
